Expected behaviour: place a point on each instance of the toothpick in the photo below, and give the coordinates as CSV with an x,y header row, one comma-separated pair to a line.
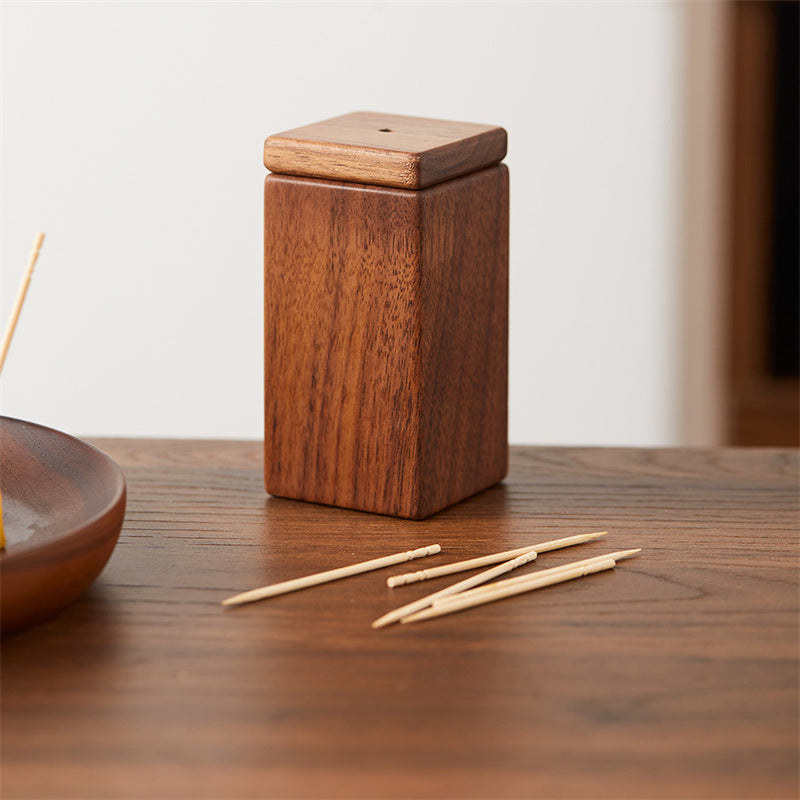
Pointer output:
x,y
483,561
541,579
467,583
329,575
533,576
21,292
560,576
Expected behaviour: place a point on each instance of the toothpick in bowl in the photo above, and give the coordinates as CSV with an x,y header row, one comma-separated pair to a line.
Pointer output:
x,y
21,292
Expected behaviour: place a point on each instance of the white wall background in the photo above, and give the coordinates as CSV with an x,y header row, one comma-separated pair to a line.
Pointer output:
x,y
132,136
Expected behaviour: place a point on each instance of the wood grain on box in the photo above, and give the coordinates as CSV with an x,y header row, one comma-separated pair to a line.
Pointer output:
x,y
386,341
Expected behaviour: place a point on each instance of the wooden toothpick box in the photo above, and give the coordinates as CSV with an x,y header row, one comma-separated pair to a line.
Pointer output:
x,y
386,312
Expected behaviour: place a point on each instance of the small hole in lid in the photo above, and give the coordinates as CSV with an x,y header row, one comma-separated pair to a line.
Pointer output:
x,y
384,130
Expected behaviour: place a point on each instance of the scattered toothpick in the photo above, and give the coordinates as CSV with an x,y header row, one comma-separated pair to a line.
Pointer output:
x,y
494,558
21,292
467,583
547,577
518,581
511,560
329,575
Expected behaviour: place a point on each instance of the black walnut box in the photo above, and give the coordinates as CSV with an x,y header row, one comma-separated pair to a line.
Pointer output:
x,y
386,312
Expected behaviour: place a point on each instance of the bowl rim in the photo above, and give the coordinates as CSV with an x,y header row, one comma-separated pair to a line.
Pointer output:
x,y
16,556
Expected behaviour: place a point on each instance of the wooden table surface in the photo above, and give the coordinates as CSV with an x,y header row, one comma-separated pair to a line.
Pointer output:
x,y
674,675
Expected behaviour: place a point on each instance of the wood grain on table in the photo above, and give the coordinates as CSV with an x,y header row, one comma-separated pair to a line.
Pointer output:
x,y
674,675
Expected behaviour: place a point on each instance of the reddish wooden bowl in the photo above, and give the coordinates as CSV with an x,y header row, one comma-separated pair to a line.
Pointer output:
x,y
63,505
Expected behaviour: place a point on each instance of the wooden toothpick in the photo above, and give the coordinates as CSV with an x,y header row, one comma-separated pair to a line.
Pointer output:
x,y
329,575
494,558
21,292
547,577
467,583
535,575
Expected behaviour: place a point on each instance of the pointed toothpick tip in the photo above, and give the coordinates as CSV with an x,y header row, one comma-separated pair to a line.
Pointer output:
x,y
590,537
625,554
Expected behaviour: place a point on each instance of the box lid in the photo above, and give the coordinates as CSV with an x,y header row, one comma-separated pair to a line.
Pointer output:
x,y
385,149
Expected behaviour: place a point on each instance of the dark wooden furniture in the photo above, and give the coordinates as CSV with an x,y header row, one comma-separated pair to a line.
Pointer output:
x,y
675,675
386,312
764,387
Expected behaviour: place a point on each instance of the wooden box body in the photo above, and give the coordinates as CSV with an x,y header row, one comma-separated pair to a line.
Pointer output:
x,y
386,341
